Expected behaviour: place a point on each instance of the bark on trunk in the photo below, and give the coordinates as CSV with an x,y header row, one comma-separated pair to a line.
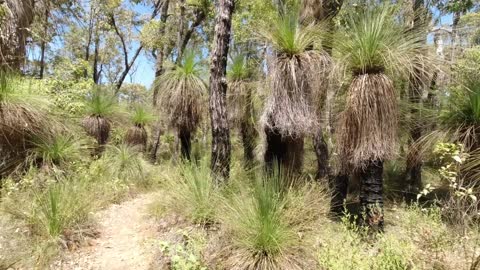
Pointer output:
x,y
371,194
43,46
185,138
414,169
15,31
248,132
221,148
159,70
283,153
321,151
339,186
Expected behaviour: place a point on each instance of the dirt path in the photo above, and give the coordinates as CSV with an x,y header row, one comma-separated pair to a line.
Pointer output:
x,y
125,242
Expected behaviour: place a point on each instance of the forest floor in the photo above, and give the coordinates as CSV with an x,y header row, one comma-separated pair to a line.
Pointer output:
x,y
126,234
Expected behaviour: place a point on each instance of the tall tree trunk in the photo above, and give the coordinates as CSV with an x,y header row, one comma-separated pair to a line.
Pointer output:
x,y
43,46
15,31
221,148
248,132
414,169
456,20
159,70
371,194
185,137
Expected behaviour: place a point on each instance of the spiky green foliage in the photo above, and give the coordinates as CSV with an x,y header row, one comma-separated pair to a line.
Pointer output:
x,y
124,162
100,103
142,116
287,36
193,193
372,40
265,223
182,93
57,150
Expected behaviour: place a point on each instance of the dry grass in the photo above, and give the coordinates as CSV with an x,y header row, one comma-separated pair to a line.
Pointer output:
x,y
369,123
182,94
137,136
97,127
294,83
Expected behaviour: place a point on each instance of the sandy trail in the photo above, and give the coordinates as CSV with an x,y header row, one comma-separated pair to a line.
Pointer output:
x,y
126,239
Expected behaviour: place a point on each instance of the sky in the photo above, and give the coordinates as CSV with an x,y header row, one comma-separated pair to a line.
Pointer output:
x,y
145,72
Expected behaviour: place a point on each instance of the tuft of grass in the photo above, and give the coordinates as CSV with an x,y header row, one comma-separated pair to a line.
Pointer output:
x,y
50,212
124,162
56,150
192,193
270,225
141,116
100,103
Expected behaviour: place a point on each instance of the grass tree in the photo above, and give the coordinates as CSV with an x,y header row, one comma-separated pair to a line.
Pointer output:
x,y
23,115
183,99
137,134
100,106
373,46
241,107
296,72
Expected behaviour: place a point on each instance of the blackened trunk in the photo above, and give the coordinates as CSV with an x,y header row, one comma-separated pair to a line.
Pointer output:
x,y
185,137
157,132
283,153
339,186
371,194
43,46
221,148
321,151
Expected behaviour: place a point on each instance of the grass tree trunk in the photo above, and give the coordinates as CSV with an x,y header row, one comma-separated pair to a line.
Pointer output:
x,y
283,152
221,148
371,194
185,137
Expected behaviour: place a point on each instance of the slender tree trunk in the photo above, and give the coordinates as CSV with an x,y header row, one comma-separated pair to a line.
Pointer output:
x,y
248,132
414,169
321,151
43,46
456,20
185,138
159,70
221,148
371,194
96,71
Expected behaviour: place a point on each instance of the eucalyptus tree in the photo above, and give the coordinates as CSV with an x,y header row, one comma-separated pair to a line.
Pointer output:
x,y
183,99
221,146
373,47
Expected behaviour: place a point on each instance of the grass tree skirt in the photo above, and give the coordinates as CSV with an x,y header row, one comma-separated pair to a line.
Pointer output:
x,y
371,194
99,128
137,136
283,152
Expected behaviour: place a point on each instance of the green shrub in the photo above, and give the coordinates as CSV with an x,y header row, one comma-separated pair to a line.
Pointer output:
x,y
271,224
192,193
60,206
